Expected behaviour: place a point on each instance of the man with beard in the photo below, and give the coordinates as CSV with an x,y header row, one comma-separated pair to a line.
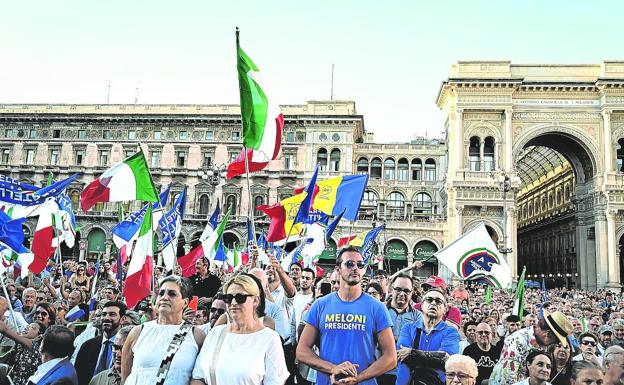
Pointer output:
x,y
605,334
483,352
350,325
303,298
217,309
401,312
281,286
96,354
205,284
112,376
427,343
295,274
550,329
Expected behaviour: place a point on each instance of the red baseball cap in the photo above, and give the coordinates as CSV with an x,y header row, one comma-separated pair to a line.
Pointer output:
x,y
434,282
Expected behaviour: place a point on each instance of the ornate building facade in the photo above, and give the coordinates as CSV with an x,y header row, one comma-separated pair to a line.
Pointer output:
x,y
500,119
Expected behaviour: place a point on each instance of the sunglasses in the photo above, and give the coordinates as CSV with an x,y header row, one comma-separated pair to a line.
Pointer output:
x,y
484,332
219,310
431,300
41,313
351,264
401,290
591,343
239,298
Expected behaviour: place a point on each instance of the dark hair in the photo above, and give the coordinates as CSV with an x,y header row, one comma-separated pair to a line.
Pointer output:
x,y
58,341
375,286
402,275
295,264
50,309
469,323
534,353
262,305
588,334
186,288
309,270
113,288
381,272
203,309
512,318
579,366
349,248
120,305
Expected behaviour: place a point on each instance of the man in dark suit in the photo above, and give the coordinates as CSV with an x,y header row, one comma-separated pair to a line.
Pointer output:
x,y
96,354
56,348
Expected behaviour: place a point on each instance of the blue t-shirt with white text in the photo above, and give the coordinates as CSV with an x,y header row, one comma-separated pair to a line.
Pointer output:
x,y
347,330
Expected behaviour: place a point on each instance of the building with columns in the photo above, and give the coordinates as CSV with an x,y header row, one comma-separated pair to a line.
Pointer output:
x,y
507,126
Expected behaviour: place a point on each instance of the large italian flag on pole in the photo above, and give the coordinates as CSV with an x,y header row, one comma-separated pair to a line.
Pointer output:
x,y
139,280
125,181
262,121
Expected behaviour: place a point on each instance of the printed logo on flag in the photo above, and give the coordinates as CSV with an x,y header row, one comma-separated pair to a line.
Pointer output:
x,y
476,260
325,192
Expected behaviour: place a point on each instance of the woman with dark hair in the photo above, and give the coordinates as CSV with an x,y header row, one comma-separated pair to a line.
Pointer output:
x,y
245,339
374,290
538,365
167,346
562,363
27,357
80,279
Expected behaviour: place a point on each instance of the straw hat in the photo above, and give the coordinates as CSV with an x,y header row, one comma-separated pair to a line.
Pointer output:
x,y
560,325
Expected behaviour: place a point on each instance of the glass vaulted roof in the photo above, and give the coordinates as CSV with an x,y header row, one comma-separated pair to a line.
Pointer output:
x,y
536,162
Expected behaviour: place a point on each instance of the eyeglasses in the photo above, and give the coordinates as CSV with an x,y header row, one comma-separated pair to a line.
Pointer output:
x,y
239,298
484,332
220,310
587,342
431,300
460,376
41,313
401,290
351,264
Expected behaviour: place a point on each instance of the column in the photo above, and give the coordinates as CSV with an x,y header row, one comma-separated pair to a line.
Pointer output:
x,y
602,262
508,165
459,214
459,140
608,146
481,154
512,240
496,164
612,252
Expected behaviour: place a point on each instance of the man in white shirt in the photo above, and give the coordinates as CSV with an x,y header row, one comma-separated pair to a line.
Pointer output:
x,y
303,298
281,286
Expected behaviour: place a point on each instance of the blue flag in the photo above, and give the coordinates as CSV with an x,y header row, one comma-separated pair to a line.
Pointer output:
x,y
315,216
369,242
220,255
250,235
125,230
13,191
171,222
54,189
162,198
262,242
304,207
214,218
11,233
332,226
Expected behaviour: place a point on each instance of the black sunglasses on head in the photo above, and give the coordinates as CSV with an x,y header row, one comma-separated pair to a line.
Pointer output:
x,y
239,298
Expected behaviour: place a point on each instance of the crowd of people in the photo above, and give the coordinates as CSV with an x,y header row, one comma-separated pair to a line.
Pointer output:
x,y
265,325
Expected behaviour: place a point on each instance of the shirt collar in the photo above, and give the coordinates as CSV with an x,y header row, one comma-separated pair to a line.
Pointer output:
x,y
43,369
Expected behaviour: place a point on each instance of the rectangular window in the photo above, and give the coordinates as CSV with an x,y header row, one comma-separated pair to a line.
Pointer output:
x,y
104,155
32,134
131,135
56,133
235,135
430,175
183,135
30,156
289,161
54,157
79,157
157,135
232,156
155,159
106,134
290,137
181,159
82,134
209,135
10,133
5,155
207,159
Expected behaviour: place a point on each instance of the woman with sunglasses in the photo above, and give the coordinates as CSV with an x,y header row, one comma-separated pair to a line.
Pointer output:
x,y
167,346
245,340
80,279
27,357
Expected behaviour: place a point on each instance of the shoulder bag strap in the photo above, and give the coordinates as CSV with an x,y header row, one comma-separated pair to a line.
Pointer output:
x,y
215,355
417,338
173,348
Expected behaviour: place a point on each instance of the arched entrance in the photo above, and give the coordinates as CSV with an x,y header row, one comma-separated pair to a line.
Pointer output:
x,y
423,251
327,259
396,255
96,243
230,239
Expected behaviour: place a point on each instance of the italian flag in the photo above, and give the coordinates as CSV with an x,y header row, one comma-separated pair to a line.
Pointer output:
x,y
42,246
518,307
208,247
139,280
125,181
262,121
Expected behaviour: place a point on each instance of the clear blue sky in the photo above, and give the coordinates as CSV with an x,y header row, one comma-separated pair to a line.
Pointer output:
x,y
389,56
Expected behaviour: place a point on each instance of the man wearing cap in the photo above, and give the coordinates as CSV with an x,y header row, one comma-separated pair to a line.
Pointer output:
x,y
428,342
605,334
550,329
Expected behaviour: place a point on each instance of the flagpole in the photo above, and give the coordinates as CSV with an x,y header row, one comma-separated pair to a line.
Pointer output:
x,y
6,295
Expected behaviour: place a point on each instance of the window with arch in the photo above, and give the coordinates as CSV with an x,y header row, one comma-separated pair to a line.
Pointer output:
x,y
551,201
423,203
474,154
620,155
396,204
567,192
430,170
403,169
204,204
334,160
544,205
375,168
321,159
75,198
389,165
362,166
369,198
258,201
488,154
416,169
230,204
559,197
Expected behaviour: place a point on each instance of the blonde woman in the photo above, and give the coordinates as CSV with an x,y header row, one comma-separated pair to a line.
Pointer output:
x,y
245,340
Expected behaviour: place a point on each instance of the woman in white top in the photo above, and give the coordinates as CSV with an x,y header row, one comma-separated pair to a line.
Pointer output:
x,y
538,365
147,344
244,352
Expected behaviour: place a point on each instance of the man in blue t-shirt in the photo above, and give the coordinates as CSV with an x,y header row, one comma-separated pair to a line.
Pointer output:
x,y
350,325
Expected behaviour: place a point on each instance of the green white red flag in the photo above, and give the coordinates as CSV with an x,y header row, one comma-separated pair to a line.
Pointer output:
x,y
139,280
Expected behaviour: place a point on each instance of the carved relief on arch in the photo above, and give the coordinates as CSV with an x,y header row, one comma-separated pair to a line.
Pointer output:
x,y
482,130
617,132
